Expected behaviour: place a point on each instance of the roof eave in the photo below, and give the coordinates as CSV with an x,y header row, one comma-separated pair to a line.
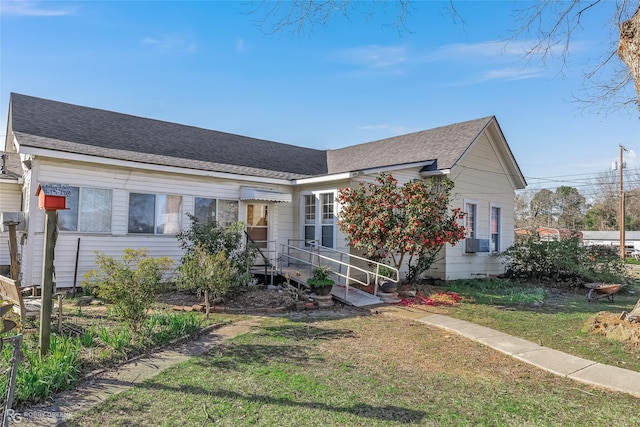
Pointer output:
x,y
148,166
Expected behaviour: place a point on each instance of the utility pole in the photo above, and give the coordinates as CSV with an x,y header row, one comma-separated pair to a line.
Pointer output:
x,y
621,205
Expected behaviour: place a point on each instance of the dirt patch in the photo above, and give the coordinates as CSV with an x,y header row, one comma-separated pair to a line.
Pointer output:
x,y
253,300
250,299
613,327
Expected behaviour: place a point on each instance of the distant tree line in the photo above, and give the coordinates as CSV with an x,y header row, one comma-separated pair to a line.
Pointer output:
x,y
566,208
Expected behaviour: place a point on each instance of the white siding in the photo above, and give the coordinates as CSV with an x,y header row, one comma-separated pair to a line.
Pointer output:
x,y
123,181
481,177
10,201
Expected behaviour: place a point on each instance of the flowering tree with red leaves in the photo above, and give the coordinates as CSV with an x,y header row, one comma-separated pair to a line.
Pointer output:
x,y
392,224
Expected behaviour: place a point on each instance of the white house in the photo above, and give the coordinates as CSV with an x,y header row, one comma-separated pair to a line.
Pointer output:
x,y
133,181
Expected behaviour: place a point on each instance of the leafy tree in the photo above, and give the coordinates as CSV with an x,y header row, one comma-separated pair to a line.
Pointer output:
x,y
207,273
563,209
570,205
130,283
543,208
522,210
396,223
214,239
603,214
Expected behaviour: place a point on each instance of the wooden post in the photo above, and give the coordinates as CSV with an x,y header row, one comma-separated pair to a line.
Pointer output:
x,y
13,251
75,271
60,312
50,228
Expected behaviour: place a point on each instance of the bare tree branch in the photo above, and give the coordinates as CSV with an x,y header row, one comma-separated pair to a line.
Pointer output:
x,y
553,24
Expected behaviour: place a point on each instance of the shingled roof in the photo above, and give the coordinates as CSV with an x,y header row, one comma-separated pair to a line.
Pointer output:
x,y
446,144
54,125
71,128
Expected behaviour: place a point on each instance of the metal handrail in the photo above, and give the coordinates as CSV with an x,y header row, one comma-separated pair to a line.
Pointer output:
x,y
267,261
315,259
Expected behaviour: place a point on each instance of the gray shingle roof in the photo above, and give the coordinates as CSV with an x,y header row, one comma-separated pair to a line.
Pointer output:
x,y
83,130
446,144
47,124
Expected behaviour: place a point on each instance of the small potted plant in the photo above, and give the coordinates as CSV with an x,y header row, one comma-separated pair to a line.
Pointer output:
x,y
320,281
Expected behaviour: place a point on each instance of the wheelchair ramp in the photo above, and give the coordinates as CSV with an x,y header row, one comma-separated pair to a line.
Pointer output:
x,y
354,297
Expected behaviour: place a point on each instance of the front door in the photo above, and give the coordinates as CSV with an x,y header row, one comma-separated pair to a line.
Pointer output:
x,y
258,223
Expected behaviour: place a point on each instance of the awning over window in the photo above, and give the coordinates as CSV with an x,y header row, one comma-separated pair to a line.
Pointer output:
x,y
251,193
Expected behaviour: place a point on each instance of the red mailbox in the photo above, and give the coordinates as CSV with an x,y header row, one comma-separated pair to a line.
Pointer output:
x,y
53,197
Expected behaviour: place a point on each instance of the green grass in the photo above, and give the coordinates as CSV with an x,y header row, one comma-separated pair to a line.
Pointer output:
x,y
361,371
559,322
497,292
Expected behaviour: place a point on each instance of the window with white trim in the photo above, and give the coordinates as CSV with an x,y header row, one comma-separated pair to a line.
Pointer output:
x,y
496,223
222,211
471,220
471,227
89,211
154,213
319,218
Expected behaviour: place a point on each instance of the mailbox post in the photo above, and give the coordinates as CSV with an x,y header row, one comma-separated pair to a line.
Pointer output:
x,y
51,198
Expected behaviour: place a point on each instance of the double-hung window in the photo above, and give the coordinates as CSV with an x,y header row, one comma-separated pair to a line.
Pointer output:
x,y
88,211
471,220
319,218
154,213
471,227
495,228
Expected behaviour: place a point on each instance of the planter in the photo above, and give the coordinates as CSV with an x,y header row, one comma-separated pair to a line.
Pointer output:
x,y
388,287
322,290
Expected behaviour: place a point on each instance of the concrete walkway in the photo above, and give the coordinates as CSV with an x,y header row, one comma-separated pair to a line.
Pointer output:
x,y
554,361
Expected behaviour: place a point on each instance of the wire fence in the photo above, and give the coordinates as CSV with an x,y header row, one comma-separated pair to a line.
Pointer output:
x,y
8,376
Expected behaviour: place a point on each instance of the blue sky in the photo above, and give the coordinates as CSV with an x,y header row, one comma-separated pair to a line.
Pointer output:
x,y
210,64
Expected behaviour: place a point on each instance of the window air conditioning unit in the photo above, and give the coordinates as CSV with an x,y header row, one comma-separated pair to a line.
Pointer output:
x,y
477,245
472,245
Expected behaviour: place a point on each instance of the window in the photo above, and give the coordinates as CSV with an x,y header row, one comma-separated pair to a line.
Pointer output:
x,y
222,211
495,228
89,211
328,219
309,218
470,223
319,218
472,244
154,213
205,210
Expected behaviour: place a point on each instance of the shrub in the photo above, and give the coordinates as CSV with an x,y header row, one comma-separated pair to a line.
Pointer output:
x,y
206,273
563,261
214,239
130,283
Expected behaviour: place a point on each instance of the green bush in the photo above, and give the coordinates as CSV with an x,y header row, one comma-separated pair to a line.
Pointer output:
x,y
214,239
207,273
130,283
563,261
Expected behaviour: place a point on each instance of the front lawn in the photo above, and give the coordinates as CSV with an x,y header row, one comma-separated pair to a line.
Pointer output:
x,y
358,371
554,318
